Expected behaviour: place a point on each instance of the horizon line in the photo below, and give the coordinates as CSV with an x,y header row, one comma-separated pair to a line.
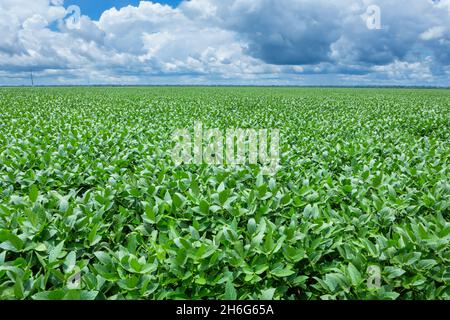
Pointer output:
x,y
226,85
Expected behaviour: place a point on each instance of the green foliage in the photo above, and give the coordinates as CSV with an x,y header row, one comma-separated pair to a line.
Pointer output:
x,y
92,207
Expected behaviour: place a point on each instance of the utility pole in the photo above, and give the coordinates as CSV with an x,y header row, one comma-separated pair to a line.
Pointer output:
x,y
32,81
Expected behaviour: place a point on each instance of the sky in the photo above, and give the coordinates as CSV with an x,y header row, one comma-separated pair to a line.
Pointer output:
x,y
95,8
225,42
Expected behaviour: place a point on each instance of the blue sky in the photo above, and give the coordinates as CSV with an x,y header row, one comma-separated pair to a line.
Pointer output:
x,y
252,42
95,8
